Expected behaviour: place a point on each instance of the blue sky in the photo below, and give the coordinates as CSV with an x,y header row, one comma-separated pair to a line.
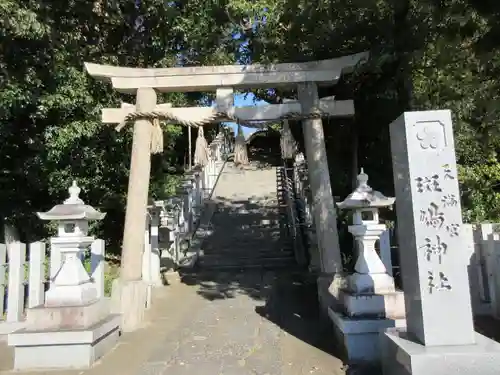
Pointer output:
x,y
241,100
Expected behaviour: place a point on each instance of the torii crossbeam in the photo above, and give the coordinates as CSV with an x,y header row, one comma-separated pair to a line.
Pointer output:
x,y
209,78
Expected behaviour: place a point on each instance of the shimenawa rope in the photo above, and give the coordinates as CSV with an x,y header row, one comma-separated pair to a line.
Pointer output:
x,y
201,153
240,148
156,116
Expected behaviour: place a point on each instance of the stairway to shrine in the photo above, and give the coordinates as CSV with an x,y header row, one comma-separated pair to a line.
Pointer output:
x,y
245,228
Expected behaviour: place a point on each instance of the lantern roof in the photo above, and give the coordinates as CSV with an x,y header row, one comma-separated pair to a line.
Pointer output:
x,y
73,208
364,196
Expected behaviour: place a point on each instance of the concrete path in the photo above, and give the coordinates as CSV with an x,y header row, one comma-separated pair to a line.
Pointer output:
x,y
252,322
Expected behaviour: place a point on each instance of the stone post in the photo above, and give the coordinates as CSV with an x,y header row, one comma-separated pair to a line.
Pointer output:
x,y
184,215
440,337
190,146
188,188
132,290
146,255
146,262
169,220
151,261
199,194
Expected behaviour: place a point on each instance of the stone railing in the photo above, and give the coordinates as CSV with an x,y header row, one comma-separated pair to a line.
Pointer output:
x,y
484,266
292,190
303,199
172,222
27,270
483,242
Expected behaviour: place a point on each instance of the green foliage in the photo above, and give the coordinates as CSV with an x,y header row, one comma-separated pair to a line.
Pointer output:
x,y
50,108
430,54
424,54
481,191
111,272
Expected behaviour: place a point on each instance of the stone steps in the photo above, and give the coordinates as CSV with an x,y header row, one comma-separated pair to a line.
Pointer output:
x,y
247,228
244,230
248,252
221,262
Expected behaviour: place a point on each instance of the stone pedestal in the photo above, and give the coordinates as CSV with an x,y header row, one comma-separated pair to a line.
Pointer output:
x,y
359,337
440,337
57,347
74,327
403,355
358,320
65,337
72,285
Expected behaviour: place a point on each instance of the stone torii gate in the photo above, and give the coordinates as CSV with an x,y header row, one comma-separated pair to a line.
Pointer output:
x,y
145,83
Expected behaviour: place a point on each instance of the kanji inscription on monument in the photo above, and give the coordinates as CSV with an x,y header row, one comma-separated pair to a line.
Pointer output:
x,y
432,252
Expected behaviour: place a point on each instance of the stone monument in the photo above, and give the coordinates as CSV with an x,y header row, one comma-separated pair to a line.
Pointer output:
x,y
74,328
439,337
367,300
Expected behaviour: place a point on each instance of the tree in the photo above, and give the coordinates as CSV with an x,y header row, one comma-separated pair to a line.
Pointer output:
x,y
430,54
50,109
424,55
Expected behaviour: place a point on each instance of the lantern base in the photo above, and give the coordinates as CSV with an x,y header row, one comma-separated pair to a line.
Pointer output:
x,y
71,295
359,338
388,305
378,283
65,317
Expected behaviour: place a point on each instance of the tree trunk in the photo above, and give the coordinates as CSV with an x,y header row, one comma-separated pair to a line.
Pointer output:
x,y
404,46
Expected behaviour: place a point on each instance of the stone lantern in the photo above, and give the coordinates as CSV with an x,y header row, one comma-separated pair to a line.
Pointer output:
x,y
169,217
371,275
71,285
74,328
366,301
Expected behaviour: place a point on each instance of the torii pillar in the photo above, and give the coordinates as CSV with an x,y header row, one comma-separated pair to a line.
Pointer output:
x,y
130,289
324,210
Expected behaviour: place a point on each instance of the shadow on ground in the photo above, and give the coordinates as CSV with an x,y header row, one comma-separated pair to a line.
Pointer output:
x,y
488,326
288,294
244,233
292,304
239,229
289,300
